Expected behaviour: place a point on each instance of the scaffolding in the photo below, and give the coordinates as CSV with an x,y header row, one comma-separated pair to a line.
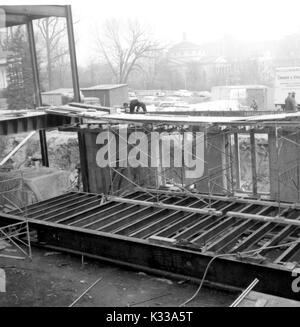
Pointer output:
x,y
13,195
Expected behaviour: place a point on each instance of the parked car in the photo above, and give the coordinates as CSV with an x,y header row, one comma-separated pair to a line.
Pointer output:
x,y
183,93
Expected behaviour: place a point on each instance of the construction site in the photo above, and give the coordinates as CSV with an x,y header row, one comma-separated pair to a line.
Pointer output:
x,y
177,207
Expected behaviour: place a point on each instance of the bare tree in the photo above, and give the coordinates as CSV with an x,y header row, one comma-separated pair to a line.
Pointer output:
x,y
52,31
124,45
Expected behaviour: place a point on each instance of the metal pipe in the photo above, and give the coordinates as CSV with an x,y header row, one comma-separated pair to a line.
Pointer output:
x,y
16,148
244,294
160,205
267,219
88,289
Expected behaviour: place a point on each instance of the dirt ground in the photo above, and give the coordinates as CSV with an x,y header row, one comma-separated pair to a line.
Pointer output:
x,y
57,279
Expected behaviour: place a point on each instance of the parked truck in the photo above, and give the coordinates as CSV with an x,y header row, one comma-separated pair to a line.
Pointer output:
x,y
287,79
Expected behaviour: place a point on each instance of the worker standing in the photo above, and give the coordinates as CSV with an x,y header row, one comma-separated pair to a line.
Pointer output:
x,y
286,102
290,103
293,102
254,105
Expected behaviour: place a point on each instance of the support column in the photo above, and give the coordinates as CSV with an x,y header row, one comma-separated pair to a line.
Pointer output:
x,y
37,91
237,161
72,50
83,162
253,162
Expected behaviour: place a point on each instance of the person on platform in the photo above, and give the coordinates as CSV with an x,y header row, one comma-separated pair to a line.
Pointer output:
x,y
135,106
293,101
290,103
286,102
254,105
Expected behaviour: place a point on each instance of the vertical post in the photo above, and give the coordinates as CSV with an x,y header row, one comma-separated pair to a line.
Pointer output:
x,y
237,161
230,163
37,92
72,50
253,162
83,162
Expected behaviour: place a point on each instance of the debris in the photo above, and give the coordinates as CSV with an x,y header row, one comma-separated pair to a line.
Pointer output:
x,y
51,253
180,282
96,282
261,303
153,298
62,264
3,245
82,281
164,280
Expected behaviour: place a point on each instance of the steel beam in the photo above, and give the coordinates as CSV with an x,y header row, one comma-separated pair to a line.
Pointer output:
x,y
35,10
253,162
72,50
167,206
274,279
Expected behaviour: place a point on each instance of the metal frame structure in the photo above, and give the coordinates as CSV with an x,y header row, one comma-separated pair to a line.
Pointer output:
x,y
13,194
179,235
19,15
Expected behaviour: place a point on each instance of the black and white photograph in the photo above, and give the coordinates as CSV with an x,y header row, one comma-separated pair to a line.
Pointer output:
x,y
150,157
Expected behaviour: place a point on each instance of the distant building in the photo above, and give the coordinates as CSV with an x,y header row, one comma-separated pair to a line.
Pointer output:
x,y
110,95
185,51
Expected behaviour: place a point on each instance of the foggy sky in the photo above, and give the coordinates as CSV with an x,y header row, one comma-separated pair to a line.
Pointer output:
x,y
202,21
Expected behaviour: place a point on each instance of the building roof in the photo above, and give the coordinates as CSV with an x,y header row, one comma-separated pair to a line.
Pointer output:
x,y
59,91
18,15
103,87
184,45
